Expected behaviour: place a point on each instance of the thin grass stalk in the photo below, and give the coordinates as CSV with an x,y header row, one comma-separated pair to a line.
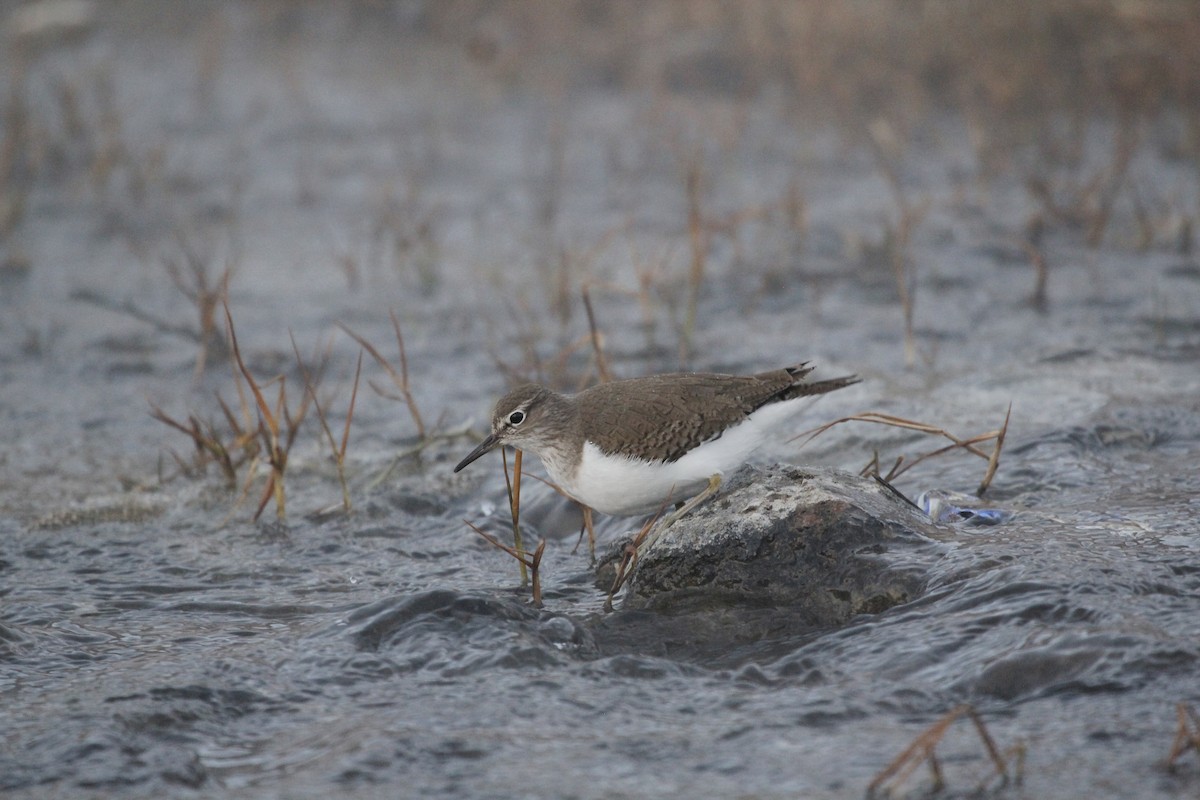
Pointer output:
x,y
341,452
989,744
1123,151
597,339
900,466
1037,260
922,750
531,561
269,428
206,441
881,418
535,567
966,444
698,239
404,385
399,378
1187,734
278,456
338,451
994,461
514,503
914,755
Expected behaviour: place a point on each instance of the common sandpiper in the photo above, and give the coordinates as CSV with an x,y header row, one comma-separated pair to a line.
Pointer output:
x,y
629,447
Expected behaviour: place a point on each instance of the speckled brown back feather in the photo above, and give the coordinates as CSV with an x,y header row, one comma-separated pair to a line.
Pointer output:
x,y
665,416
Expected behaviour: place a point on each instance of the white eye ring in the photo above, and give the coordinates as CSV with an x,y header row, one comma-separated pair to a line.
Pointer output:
x,y
516,418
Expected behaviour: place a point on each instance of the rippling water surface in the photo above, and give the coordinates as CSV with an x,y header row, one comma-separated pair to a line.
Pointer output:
x,y
353,654
154,641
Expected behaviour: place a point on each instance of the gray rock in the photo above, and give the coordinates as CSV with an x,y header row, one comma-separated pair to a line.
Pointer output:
x,y
827,544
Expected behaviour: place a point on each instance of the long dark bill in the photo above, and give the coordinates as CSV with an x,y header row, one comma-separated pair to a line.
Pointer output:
x,y
486,446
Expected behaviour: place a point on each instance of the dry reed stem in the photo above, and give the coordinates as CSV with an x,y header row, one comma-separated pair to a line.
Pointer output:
x,y
922,750
278,443
1124,147
184,467
206,441
885,145
527,336
130,310
901,269
597,339
268,424
234,424
554,369
994,461
1141,215
898,470
416,450
514,502
1187,734
345,443
206,296
532,561
698,239
1041,274
630,554
337,450
550,370
399,379
900,466
649,276
571,260
404,385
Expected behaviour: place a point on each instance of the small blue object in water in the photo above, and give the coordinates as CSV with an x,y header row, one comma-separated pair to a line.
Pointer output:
x,y
944,506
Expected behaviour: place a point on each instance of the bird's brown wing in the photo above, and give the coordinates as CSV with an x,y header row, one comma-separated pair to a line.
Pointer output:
x,y
662,417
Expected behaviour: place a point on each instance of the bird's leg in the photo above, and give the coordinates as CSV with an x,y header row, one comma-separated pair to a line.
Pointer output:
x,y
591,532
587,523
649,534
714,484
624,568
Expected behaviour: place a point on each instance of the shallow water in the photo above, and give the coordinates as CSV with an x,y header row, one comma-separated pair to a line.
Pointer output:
x,y
154,641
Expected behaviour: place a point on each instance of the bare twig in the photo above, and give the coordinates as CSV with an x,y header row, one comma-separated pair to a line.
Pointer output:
x,y
922,750
887,146
198,287
278,442
206,295
208,445
337,450
900,466
399,378
532,561
597,339
698,238
994,461
514,502
129,309
1187,734
242,443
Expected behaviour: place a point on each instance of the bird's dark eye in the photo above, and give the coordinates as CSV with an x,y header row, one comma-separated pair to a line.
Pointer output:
x,y
516,418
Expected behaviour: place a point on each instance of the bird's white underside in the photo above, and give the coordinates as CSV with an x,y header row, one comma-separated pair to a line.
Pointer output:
x,y
624,486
